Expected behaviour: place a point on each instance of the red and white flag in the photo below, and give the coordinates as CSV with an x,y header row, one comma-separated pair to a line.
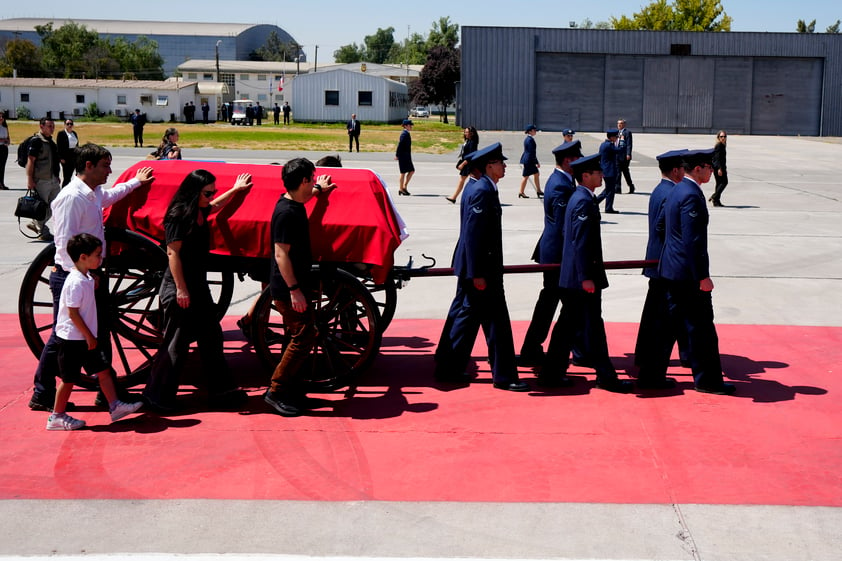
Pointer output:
x,y
281,84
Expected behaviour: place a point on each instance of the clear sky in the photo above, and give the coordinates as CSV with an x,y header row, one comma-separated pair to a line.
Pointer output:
x,y
332,23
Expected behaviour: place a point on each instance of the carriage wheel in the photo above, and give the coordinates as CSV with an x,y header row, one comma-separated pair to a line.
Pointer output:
x,y
135,266
348,334
385,296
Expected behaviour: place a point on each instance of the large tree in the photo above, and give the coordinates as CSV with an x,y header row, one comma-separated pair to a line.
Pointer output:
x,y
379,45
64,50
412,51
139,60
274,49
680,15
437,82
443,33
349,53
24,57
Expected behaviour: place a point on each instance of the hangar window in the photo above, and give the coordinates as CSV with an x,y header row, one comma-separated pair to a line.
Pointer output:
x,y
121,100
331,97
364,98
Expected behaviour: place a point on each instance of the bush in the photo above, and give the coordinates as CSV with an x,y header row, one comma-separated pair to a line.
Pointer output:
x,y
92,111
24,114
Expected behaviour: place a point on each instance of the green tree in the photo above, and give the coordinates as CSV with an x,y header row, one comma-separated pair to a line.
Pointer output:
x,y
680,15
379,45
412,51
443,33
274,49
25,57
63,50
437,82
138,60
349,53
833,28
804,27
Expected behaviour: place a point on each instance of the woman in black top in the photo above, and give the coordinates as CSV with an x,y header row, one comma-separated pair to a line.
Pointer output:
x,y
720,168
470,145
4,150
67,140
185,298
168,149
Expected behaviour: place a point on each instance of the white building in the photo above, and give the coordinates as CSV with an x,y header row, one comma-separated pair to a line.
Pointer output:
x,y
60,98
333,95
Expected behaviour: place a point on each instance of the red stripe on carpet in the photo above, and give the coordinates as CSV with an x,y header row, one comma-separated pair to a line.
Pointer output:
x,y
402,437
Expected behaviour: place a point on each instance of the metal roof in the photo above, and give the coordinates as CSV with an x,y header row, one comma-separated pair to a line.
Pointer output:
x,y
132,27
166,85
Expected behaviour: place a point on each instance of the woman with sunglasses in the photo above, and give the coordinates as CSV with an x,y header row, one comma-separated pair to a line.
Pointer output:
x,y
67,140
5,140
720,168
185,299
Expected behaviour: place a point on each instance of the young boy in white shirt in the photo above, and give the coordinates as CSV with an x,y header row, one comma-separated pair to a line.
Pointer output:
x,y
76,330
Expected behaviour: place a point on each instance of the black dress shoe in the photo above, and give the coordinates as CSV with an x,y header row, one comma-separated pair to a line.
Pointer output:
x,y
522,196
656,384
512,386
724,389
554,381
612,211
541,195
38,403
451,201
631,189
616,386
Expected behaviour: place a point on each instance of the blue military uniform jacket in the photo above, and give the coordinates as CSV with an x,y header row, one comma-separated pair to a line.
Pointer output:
x,y
404,149
557,192
479,251
608,158
685,254
625,143
657,225
530,151
581,259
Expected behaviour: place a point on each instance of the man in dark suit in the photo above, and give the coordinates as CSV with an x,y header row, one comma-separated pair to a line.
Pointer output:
x,y
625,145
287,111
685,265
258,114
353,127
657,333
582,279
609,155
480,299
557,191
276,114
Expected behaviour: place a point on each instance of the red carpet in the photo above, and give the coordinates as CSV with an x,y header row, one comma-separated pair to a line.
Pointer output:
x,y
401,437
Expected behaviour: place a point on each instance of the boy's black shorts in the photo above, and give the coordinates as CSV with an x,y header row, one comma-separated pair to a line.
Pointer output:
x,y
74,355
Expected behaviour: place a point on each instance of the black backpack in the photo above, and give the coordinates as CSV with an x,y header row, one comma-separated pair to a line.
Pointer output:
x,y
23,151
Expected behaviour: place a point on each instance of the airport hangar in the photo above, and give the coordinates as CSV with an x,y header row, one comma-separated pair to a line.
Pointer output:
x,y
658,81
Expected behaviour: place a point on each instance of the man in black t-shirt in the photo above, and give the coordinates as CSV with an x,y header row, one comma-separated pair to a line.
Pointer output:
x,y
289,281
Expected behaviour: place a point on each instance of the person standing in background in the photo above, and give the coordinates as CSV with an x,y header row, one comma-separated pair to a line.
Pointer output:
x,y
276,114
624,143
720,168
138,120
353,132
205,112
468,147
67,140
287,111
610,155
42,169
529,160
5,140
403,154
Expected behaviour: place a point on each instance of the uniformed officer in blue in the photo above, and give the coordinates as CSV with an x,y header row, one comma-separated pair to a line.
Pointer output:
x,y
657,333
582,279
480,299
609,154
557,191
685,265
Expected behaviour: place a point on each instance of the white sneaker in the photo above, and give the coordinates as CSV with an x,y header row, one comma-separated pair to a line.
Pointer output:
x,y
121,409
64,421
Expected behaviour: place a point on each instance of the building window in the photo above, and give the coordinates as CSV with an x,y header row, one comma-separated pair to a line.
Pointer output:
x,y
262,97
162,100
207,76
278,77
24,98
331,97
261,77
121,100
363,98
244,76
191,75
146,100
80,98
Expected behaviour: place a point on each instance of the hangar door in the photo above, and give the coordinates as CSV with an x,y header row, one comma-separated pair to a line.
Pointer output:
x,y
569,91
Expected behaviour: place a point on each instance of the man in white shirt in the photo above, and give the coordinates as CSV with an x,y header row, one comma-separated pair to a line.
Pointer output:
x,y
78,209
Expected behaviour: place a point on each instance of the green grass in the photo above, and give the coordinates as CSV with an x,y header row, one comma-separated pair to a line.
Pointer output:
x,y
429,135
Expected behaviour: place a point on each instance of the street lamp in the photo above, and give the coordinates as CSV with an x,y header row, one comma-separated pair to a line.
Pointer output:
x,y
219,42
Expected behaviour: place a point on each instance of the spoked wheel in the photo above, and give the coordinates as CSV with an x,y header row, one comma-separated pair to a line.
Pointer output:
x,y
348,334
135,266
385,297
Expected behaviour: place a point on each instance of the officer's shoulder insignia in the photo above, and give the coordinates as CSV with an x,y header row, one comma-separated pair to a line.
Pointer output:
x,y
581,217
693,213
476,209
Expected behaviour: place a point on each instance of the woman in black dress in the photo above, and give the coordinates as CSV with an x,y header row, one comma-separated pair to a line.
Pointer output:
x,y
185,298
469,146
67,140
403,154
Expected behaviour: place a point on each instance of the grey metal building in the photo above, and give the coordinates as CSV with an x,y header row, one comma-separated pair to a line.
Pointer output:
x,y
177,41
746,83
